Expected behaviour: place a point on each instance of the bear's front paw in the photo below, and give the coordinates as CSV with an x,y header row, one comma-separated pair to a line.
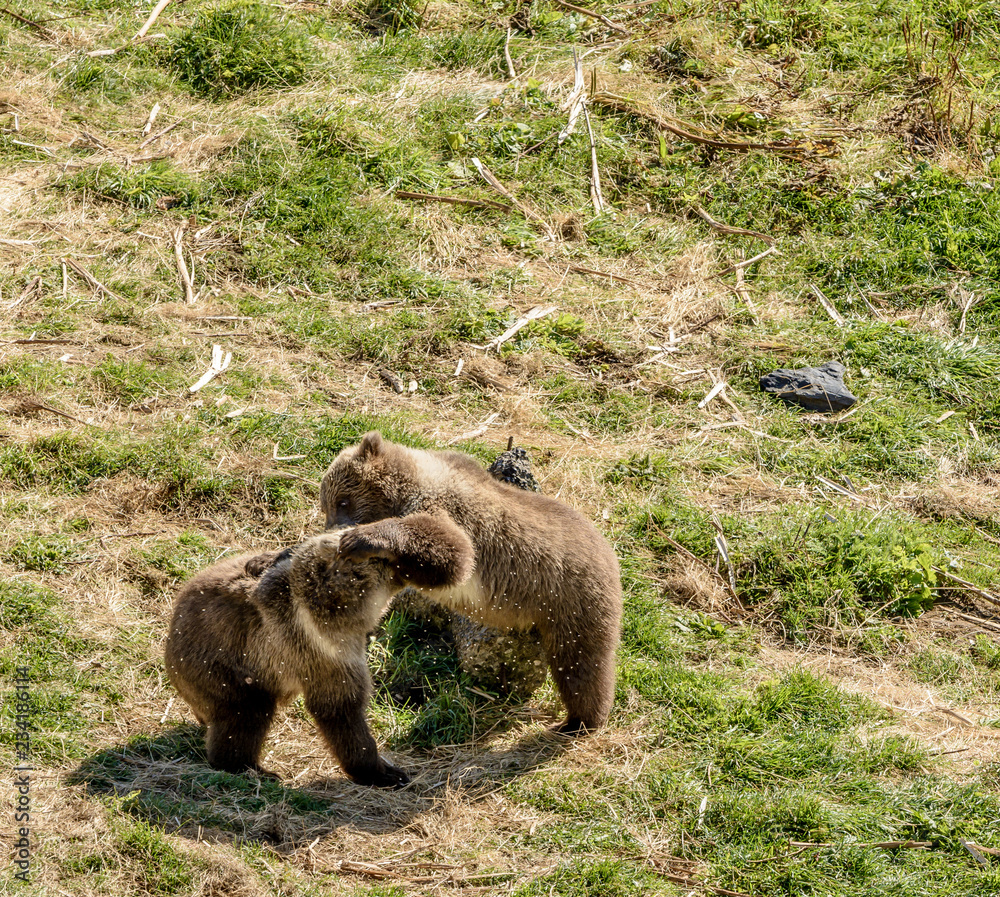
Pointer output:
x,y
360,544
385,775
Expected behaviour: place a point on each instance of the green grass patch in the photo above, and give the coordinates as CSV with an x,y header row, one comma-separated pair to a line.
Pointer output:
x,y
235,47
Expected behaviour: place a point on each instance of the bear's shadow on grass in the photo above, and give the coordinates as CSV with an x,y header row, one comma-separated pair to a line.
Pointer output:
x,y
165,781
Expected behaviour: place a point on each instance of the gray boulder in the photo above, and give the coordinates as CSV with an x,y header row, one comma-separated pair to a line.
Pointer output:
x,y
818,389
511,663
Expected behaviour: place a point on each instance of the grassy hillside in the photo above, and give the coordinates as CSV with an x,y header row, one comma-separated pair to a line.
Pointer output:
x,y
364,197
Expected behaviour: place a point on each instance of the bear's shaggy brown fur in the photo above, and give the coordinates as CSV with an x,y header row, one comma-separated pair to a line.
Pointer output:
x,y
538,562
250,633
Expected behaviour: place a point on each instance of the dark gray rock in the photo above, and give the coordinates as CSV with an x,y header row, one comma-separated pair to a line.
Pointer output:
x,y
818,389
514,467
510,663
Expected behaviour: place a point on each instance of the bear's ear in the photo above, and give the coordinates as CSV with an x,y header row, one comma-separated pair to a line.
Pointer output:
x,y
371,446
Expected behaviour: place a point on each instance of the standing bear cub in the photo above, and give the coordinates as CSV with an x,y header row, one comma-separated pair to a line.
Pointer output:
x,y
250,633
538,562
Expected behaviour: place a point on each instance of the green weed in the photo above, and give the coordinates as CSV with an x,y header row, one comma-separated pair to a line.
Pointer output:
x,y
46,553
234,47
141,187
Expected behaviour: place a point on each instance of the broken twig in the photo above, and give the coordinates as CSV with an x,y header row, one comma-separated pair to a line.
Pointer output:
x,y
479,431
182,268
727,229
539,311
528,213
454,200
687,131
771,250
218,365
596,197
507,59
153,16
603,19
828,306
91,280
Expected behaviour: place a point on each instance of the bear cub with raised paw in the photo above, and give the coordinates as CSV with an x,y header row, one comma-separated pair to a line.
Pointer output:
x,y
538,562
250,633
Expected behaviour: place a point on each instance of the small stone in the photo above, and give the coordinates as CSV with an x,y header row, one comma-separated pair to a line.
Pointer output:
x,y
514,467
818,389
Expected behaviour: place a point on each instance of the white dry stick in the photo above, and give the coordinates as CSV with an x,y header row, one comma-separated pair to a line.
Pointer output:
x,y
459,366
743,293
528,213
727,229
218,365
965,310
153,16
475,434
149,121
506,56
275,456
596,197
539,311
712,393
166,712
575,101
753,261
182,268
614,26
828,306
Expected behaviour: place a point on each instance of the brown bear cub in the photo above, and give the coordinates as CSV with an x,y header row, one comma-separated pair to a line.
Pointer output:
x,y
250,633
538,562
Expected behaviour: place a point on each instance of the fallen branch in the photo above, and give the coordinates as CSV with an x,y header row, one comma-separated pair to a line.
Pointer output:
x,y
160,134
507,59
986,624
533,314
892,845
41,29
727,229
583,269
35,405
972,587
828,306
91,280
531,215
153,16
879,845
182,268
390,379
479,431
748,262
614,26
743,293
596,197
454,200
686,131
712,393
33,289
218,365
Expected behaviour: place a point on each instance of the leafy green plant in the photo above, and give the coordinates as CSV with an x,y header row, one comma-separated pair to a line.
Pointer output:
x,y
393,16
142,187
235,47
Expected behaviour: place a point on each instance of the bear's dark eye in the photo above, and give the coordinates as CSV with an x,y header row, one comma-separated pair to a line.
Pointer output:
x,y
344,503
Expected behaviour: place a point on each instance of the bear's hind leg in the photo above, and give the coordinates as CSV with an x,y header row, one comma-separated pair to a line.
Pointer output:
x,y
584,674
237,730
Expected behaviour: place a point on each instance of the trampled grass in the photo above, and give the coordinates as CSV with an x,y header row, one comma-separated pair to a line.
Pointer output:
x,y
808,695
